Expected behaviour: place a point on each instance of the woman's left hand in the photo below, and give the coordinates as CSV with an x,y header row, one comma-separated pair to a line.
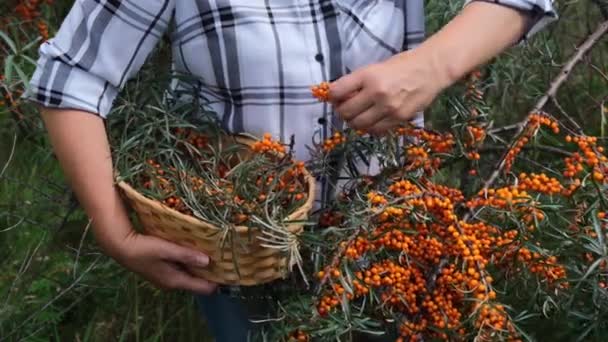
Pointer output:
x,y
381,96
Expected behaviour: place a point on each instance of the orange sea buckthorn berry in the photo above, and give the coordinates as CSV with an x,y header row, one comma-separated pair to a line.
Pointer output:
x,y
598,176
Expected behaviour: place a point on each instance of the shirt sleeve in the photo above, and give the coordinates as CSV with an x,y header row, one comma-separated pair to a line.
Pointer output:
x,y
99,46
542,12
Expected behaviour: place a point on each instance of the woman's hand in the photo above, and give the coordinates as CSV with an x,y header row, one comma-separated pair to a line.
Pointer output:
x,y
162,262
379,97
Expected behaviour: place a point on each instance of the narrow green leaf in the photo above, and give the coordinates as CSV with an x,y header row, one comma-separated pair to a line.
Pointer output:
x,y
8,69
29,60
11,44
583,336
31,44
598,230
592,268
22,75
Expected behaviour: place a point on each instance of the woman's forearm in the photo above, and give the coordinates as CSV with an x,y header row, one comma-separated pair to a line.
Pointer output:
x,y
80,143
479,33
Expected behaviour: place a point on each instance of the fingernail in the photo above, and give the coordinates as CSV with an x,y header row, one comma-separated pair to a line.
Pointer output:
x,y
202,260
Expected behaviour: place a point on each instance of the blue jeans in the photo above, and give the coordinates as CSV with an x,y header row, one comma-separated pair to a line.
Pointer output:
x,y
227,318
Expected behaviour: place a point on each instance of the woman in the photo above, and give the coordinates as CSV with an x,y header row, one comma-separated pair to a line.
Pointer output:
x,y
254,62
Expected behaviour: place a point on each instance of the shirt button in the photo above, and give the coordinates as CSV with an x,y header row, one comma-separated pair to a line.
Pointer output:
x,y
319,57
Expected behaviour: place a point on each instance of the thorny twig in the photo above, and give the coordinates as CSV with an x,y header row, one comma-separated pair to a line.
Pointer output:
x,y
566,115
84,234
10,156
503,129
599,71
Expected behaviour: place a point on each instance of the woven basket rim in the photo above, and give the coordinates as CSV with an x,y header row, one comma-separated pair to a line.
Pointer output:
x,y
295,215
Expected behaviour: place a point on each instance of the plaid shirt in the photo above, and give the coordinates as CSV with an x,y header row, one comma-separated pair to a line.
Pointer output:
x,y
254,61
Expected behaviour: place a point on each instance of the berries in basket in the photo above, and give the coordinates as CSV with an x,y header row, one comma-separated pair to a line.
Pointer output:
x,y
240,200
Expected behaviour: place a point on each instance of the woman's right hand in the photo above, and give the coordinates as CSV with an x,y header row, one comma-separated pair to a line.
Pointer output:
x,y
162,262
80,143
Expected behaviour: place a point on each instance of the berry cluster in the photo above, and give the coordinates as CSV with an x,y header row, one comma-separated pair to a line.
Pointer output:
x,y
590,155
225,187
334,141
298,336
415,230
534,122
29,10
321,91
548,268
267,145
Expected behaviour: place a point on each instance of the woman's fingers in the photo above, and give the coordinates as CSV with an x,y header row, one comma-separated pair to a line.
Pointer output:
x,y
368,118
177,278
354,106
183,255
162,263
343,88
382,127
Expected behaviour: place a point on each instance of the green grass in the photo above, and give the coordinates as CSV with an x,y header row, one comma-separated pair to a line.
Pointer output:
x,y
55,285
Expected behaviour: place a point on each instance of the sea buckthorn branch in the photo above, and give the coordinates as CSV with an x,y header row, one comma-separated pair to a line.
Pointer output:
x,y
406,149
548,269
517,200
506,128
337,257
357,247
503,198
438,143
528,130
473,130
555,85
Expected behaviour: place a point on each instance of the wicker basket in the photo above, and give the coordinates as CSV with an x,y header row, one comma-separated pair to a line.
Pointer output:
x,y
246,262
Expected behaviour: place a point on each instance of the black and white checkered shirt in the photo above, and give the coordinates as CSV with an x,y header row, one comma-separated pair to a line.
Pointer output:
x,y
254,59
